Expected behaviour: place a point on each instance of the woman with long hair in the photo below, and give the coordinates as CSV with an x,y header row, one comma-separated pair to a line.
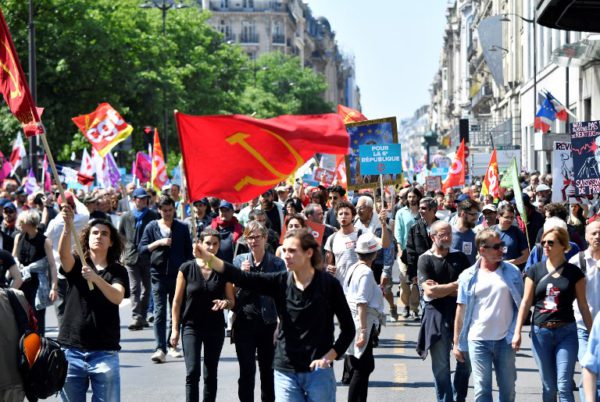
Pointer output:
x,y
90,332
307,299
551,287
200,296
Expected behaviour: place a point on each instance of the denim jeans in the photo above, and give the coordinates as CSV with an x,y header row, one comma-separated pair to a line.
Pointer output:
x,y
311,386
555,352
499,353
254,342
192,339
583,336
163,289
446,390
100,368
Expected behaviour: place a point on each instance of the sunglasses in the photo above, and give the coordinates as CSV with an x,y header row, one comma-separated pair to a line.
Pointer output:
x,y
333,198
497,246
549,243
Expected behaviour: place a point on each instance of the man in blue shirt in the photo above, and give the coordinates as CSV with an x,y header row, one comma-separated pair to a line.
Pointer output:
x,y
463,236
516,248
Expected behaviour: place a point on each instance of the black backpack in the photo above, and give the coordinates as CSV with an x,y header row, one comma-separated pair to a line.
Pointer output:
x,y
41,361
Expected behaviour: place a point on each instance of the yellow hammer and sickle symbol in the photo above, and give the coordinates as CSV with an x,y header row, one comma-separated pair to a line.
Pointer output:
x,y
240,139
15,80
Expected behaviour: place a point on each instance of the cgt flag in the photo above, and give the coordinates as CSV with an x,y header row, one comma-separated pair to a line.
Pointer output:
x,y
491,181
104,128
456,174
13,85
238,158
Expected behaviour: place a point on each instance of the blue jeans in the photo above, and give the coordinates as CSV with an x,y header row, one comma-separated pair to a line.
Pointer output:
x,y
583,336
445,389
163,289
312,386
499,353
555,352
100,368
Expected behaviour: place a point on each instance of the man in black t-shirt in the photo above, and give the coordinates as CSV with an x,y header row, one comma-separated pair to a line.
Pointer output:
x,y
8,264
438,271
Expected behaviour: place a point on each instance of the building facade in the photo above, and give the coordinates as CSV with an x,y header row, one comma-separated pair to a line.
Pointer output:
x,y
495,63
288,26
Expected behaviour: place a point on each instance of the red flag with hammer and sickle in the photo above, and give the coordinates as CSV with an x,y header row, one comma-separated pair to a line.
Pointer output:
x,y
13,84
456,174
237,158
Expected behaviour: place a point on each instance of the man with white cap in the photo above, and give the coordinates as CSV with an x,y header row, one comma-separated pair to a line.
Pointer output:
x,y
366,304
543,196
490,218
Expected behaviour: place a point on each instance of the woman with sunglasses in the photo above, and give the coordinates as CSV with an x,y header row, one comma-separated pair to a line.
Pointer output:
x,y
552,287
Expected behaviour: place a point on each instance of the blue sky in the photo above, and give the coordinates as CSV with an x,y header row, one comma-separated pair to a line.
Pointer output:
x,y
396,44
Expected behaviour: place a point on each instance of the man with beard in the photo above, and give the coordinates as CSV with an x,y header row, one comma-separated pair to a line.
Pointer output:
x,y
438,271
463,236
314,213
273,210
406,217
8,229
418,242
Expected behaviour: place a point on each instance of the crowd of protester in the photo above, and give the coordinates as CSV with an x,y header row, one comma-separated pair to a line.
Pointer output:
x,y
473,270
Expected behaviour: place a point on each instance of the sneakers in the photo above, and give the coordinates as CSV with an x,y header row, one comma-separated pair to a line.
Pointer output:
x,y
136,325
406,312
415,316
159,356
173,352
394,313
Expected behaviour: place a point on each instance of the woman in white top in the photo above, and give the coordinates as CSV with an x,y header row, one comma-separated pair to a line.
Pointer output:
x,y
365,299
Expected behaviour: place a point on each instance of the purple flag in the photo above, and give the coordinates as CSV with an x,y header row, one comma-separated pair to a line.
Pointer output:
x,y
31,185
112,177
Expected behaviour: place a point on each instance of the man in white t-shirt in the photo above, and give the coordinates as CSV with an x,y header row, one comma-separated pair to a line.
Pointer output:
x,y
340,247
489,295
589,262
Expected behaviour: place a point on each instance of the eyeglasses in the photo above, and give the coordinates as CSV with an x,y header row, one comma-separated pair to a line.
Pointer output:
x,y
9,211
549,243
333,197
423,209
253,238
496,246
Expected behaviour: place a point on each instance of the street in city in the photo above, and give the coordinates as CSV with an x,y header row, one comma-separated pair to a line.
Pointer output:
x,y
399,372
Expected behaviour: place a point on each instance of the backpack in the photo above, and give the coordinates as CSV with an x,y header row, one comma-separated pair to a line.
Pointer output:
x,y
332,238
41,361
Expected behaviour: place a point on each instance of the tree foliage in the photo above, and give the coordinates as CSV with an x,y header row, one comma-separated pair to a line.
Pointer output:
x,y
113,51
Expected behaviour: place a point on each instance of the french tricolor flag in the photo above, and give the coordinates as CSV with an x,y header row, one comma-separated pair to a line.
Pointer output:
x,y
561,111
545,116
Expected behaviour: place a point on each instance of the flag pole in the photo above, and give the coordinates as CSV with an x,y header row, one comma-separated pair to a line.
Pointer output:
x,y
78,247
184,179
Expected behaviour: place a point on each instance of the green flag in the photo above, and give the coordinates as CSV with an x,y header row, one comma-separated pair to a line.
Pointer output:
x,y
511,180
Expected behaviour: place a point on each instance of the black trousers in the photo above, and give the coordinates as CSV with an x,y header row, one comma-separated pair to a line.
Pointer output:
x,y
192,339
254,341
361,369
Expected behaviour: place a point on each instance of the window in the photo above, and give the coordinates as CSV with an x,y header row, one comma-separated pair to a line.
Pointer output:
x,y
587,109
249,34
248,4
278,35
224,3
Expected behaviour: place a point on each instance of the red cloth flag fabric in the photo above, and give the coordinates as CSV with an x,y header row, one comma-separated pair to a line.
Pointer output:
x,y
87,165
340,171
350,115
13,84
18,154
104,128
5,167
456,174
159,169
238,158
143,167
491,181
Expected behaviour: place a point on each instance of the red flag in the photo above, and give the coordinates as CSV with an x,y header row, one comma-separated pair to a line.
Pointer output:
x,y
237,157
350,115
13,84
491,181
143,167
104,128
159,170
46,175
456,174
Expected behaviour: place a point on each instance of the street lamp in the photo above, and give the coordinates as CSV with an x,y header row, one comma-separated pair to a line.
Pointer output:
x,y
164,6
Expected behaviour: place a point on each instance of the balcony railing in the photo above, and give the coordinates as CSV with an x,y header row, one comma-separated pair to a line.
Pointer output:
x,y
279,39
249,38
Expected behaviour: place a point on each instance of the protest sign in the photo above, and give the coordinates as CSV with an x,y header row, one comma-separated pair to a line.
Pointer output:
x,y
380,159
585,152
369,132
562,174
316,229
433,183
324,176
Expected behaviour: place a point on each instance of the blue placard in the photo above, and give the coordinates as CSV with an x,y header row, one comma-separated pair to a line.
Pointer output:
x,y
380,159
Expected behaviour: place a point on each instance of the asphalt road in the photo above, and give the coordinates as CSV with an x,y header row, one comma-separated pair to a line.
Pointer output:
x,y
399,374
